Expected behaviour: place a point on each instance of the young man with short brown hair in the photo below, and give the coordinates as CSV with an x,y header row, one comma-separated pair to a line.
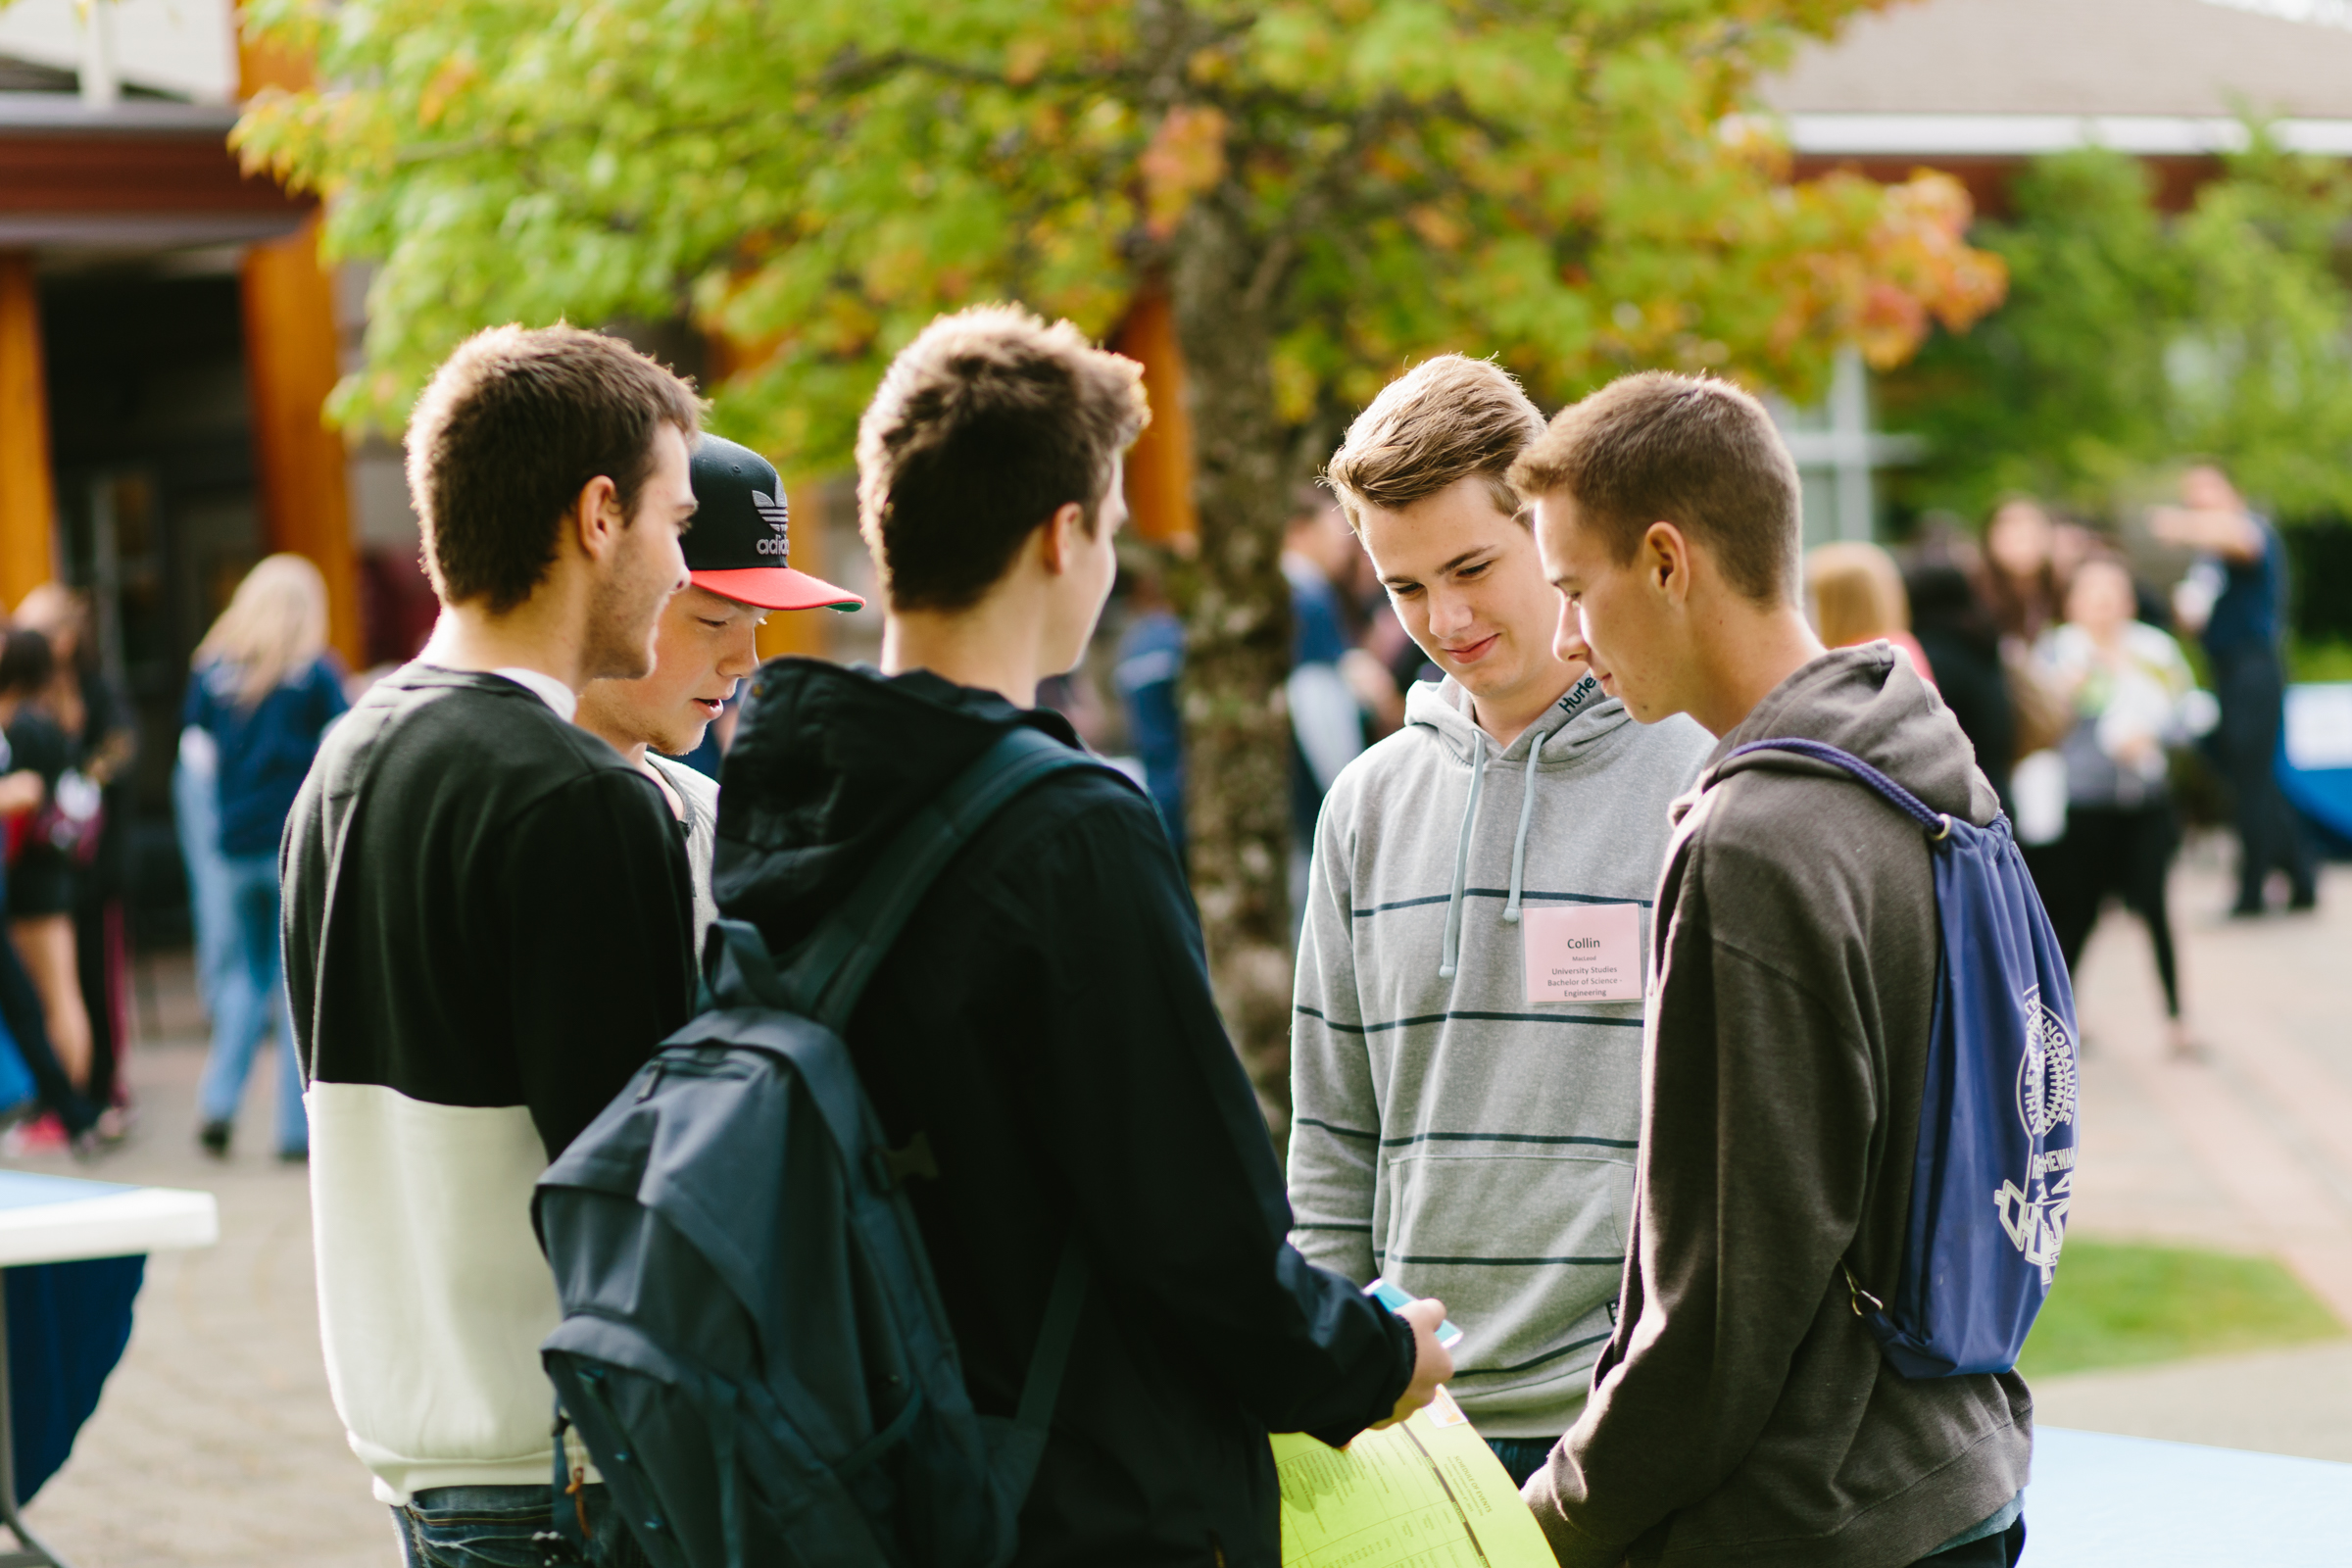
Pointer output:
x,y
1466,1082
1043,1020
486,920
1742,1412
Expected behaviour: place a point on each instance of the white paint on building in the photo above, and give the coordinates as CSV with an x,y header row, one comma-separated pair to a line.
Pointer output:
x,y
186,48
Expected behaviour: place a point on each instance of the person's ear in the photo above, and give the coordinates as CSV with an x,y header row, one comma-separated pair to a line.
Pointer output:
x,y
1059,543
594,520
1665,561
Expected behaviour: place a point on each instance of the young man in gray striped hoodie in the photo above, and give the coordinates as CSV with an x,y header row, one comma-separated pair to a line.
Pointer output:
x,y
1466,1046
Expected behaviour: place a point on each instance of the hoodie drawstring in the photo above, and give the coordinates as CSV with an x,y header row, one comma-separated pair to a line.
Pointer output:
x,y
1527,809
1450,958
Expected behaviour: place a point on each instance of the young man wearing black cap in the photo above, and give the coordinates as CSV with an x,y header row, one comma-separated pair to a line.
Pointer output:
x,y
737,571
486,926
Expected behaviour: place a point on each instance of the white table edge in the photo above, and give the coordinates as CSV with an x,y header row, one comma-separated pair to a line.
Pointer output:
x,y
144,1219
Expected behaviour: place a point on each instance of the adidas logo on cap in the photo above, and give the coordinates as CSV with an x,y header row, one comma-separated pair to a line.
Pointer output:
x,y
777,515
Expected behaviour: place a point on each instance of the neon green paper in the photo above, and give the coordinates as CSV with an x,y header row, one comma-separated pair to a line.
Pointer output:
x,y
1427,1492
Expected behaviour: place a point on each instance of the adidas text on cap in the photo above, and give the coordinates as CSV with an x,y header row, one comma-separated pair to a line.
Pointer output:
x,y
742,531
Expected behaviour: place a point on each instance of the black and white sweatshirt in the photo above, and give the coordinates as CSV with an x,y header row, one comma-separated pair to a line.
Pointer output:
x,y
486,927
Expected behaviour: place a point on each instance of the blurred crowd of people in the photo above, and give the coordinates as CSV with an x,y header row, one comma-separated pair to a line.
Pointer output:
x,y
67,743
2064,665
2068,672
261,692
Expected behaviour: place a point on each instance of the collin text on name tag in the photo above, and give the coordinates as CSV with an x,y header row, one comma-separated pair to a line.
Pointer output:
x,y
1583,952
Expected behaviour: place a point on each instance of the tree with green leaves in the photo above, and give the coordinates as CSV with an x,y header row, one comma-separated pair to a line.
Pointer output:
x,y
1324,189
2133,338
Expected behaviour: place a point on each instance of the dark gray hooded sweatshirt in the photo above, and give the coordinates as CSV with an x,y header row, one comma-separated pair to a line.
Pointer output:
x,y
1741,1413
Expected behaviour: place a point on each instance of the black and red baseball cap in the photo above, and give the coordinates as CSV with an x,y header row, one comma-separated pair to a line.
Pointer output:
x,y
737,547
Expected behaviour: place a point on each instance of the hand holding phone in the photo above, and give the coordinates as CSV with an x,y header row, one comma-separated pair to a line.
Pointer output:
x,y
1396,1297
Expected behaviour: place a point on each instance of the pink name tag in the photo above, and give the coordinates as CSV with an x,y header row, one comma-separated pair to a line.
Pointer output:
x,y
1583,952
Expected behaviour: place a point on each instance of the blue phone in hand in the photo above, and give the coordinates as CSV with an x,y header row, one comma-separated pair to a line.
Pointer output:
x,y
1396,1297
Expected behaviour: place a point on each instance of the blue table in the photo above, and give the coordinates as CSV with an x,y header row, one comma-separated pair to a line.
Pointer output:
x,y
2314,759
71,1251
2101,1501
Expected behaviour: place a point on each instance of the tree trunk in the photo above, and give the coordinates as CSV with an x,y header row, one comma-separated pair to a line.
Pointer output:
x,y
1237,649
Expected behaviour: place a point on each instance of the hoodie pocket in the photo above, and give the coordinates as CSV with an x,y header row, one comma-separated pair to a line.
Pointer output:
x,y
1525,1249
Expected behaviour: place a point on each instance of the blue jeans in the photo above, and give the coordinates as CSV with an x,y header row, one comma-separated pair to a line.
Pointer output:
x,y
507,1527
1522,1458
250,1001
196,807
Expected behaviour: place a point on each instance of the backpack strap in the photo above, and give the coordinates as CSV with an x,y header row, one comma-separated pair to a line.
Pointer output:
x,y
1937,824
827,973
1012,1461
1939,827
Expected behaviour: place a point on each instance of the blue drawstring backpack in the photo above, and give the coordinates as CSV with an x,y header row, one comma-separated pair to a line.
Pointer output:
x,y
1994,1174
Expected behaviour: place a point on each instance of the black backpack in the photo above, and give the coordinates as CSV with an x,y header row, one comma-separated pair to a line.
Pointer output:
x,y
752,1348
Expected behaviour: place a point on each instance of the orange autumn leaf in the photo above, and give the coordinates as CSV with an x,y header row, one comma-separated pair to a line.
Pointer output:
x,y
1186,158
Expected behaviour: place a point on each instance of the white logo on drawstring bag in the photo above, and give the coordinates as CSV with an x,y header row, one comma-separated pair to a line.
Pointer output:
x,y
2047,1090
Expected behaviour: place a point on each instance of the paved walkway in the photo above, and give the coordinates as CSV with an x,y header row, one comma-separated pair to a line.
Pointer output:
x,y
216,1444
2250,1149
2247,1150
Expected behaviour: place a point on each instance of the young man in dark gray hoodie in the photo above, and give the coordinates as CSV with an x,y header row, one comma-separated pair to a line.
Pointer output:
x,y
1741,1411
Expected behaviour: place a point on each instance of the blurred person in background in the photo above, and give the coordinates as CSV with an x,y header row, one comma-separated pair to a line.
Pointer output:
x,y
46,846
33,753
1327,721
2234,598
196,822
1339,695
2132,693
263,689
2021,568
102,733
2024,590
1366,618
1955,628
2072,544
1146,670
1855,595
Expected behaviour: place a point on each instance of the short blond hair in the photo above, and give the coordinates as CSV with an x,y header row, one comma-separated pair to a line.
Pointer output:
x,y
1445,420
1689,450
273,629
1855,591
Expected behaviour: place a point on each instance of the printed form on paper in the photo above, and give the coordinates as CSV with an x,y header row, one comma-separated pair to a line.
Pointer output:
x,y
1427,1492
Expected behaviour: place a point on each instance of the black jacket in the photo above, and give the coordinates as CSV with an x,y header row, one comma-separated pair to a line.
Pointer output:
x,y
1045,1019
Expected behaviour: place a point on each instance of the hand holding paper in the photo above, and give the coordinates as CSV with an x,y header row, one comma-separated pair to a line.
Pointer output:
x,y
1433,1364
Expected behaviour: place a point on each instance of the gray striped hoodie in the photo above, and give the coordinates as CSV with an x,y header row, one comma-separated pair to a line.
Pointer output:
x,y
1450,1133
